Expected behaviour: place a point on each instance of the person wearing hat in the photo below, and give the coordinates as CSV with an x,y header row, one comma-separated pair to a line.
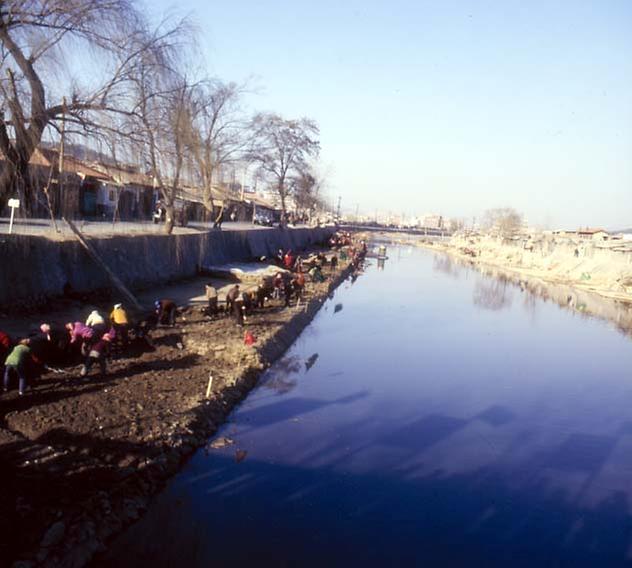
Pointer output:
x,y
120,323
97,322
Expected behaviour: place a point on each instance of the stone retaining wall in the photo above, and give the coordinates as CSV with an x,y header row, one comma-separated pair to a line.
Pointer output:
x,y
35,268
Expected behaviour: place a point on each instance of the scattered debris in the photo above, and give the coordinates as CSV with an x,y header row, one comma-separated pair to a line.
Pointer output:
x,y
221,442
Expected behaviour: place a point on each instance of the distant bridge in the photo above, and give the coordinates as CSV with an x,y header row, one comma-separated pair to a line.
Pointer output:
x,y
422,232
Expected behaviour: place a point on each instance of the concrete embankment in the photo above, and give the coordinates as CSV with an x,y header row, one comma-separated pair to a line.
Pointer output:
x,y
35,269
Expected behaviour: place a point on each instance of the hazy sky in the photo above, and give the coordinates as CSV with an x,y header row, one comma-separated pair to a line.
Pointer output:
x,y
446,106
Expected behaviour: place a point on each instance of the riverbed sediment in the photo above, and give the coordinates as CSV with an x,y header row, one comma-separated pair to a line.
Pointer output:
x,y
81,458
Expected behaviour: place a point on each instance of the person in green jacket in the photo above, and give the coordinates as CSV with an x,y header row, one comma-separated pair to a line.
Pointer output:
x,y
19,362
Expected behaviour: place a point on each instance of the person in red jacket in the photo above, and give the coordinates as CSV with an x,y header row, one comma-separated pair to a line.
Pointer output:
x,y
5,347
288,260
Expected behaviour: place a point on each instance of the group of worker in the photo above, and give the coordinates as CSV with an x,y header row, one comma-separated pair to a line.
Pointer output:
x,y
100,337
340,239
288,284
93,341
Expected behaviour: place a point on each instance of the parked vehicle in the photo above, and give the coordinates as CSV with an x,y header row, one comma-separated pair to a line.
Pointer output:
x,y
264,219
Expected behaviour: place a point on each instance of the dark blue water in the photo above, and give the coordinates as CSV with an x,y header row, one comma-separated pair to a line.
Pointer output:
x,y
430,416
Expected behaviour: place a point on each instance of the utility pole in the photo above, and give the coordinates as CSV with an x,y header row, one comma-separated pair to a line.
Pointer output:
x,y
357,212
243,182
61,155
338,211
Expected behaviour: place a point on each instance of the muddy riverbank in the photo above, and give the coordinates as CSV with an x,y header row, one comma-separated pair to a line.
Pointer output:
x,y
81,458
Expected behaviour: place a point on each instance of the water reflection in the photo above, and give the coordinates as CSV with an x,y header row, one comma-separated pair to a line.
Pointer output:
x,y
281,379
495,287
310,362
446,265
291,408
491,295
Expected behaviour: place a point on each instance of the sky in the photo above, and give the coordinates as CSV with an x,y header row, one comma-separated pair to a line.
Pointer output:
x,y
450,107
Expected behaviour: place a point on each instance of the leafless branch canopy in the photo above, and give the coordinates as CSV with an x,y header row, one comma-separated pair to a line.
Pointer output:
x,y
283,148
41,41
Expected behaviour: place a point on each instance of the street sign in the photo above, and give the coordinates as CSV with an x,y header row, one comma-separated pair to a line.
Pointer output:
x,y
14,204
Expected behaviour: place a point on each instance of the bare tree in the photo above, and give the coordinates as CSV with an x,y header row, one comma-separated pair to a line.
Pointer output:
x,y
283,149
505,220
307,189
36,38
218,132
161,123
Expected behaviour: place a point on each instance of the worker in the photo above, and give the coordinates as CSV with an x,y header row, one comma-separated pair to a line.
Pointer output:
x,y
80,334
211,297
166,310
298,285
278,284
98,353
334,263
288,260
5,346
19,363
264,291
97,322
120,323
41,344
231,297
288,290
316,274
239,307
249,298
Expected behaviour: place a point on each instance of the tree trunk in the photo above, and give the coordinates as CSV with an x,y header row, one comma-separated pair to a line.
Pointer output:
x,y
283,212
16,183
217,224
23,188
7,175
169,218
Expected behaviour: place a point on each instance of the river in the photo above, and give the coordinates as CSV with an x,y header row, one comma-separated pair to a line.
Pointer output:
x,y
430,415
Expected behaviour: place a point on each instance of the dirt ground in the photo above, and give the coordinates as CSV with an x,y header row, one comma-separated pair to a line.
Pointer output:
x,y
80,457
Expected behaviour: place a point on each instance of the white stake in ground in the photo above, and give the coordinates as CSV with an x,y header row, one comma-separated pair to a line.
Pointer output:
x,y
210,385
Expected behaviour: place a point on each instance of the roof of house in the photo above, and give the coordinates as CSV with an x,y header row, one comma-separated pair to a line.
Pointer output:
x,y
124,174
591,231
50,157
